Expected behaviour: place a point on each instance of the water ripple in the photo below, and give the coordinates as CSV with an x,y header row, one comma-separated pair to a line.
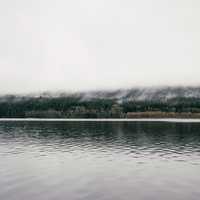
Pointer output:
x,y
99,160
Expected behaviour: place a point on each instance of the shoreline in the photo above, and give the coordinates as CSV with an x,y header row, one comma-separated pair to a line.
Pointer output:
x,y
174,120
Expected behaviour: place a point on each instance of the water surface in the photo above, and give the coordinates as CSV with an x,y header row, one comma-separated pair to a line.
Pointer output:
x,y
102,160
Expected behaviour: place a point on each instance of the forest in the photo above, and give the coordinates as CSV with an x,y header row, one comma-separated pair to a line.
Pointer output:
x,y
76,107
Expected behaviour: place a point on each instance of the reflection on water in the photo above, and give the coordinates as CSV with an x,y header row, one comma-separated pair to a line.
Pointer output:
x,y
99,160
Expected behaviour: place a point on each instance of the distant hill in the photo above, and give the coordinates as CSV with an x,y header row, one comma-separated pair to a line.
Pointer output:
x,y
134,94
136,102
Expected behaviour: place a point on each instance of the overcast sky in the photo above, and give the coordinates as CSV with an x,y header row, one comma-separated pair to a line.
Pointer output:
x,y
96,44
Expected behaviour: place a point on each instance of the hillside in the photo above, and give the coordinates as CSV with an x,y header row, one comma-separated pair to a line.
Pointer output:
x,y
102,104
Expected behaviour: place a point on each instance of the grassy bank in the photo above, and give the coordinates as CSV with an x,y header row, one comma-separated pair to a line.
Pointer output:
x,y
158,114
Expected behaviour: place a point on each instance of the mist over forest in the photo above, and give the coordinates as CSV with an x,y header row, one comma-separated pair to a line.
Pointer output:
x,y
125,103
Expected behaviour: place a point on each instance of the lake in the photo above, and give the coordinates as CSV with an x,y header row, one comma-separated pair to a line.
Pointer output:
x,y
99,160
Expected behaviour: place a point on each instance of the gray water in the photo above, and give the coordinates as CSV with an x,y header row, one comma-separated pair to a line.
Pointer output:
x,y
99,160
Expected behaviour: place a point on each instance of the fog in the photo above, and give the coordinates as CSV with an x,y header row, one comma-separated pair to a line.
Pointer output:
x,y
98,44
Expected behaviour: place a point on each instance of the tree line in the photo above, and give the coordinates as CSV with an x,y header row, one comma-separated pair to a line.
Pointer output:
x,y
75,107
